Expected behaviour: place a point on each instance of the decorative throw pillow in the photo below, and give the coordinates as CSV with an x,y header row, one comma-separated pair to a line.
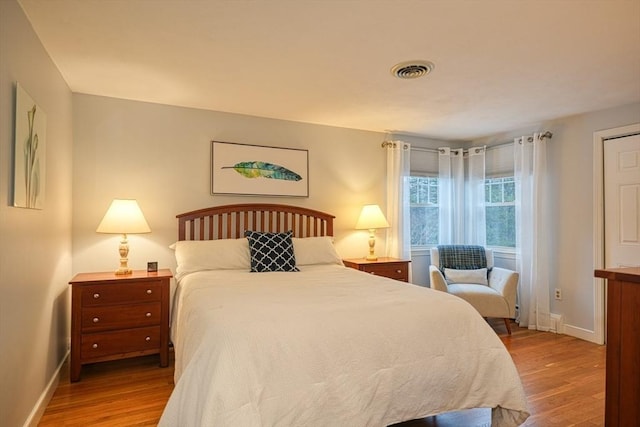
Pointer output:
x,y
271,251
478,276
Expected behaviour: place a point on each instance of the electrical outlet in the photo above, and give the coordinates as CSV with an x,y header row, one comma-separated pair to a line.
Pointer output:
x,y
558,293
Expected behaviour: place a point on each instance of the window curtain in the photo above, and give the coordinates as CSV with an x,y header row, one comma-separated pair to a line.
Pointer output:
x,y
530,176
451,195
398,173
475,216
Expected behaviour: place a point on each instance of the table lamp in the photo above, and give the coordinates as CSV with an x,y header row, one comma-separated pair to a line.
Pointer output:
x,y
123,217
371,218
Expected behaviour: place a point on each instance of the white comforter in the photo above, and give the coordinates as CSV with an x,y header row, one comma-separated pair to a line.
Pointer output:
x,y
331,346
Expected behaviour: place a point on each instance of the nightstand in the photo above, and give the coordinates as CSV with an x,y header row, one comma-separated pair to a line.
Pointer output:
x,y
117,317
392,268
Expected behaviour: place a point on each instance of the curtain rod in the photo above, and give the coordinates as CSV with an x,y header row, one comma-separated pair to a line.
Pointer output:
x,y
394,144
547,134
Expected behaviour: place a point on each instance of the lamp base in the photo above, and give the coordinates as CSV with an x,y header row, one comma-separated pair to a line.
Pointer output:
x,y
372,245
124,261
123,271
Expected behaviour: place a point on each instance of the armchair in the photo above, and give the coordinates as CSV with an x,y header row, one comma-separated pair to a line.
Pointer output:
x,y
493,297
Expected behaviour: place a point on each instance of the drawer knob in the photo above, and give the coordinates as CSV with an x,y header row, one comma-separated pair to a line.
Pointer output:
x,y
147,339
148,314
95,346
149,291
398,271
96,296
96,320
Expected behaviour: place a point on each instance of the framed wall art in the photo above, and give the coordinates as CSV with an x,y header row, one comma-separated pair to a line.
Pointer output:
x,y
29,154
254,170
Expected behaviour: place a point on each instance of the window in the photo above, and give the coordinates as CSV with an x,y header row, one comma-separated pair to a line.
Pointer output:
x,y
500,196
500,211
423,204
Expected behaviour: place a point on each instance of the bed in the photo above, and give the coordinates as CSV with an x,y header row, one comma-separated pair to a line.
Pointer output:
x,y
324,345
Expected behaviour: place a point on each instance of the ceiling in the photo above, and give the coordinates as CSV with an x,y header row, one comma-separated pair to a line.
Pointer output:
x,y
499,65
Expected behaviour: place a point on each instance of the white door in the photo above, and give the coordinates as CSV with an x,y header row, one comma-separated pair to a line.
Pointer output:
x,y
622,202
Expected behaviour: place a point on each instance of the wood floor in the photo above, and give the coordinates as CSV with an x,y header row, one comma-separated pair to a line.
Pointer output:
x,y
563,378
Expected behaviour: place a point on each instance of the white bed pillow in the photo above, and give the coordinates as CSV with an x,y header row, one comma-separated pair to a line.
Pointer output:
x,y
315,250
223,254
478,276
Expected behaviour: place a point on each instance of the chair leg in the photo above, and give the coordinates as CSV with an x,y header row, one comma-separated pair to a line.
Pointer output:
x,y
507,323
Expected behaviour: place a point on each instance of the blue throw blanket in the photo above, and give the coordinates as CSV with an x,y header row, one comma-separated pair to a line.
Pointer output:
x,y
462,257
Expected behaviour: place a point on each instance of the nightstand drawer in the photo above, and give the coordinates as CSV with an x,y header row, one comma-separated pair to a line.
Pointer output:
x,y
393,268
396,271
100,318
121,293
95,346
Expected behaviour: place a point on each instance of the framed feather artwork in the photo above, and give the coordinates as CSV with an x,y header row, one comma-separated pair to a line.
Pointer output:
x,y
255,170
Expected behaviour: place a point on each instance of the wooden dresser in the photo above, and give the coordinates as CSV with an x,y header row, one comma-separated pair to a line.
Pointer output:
x,y
388,267
116,317
622,394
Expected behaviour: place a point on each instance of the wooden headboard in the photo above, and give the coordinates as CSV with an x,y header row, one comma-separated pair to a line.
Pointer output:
x,y
231,221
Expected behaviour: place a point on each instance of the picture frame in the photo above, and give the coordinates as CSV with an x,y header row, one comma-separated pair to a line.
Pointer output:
x,y
29,167
256,170
152,267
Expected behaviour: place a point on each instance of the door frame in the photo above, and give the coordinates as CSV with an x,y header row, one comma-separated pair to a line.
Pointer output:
x,y
599,289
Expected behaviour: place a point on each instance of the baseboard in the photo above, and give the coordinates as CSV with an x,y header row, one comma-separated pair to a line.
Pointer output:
x,y
558,327
41,405
583,334
557,324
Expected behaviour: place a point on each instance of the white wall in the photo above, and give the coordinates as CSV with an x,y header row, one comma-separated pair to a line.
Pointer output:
x,y
160,155
35,257
571,235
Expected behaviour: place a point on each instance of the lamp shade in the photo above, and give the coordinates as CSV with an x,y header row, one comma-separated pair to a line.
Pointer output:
x,y
123,217
371,217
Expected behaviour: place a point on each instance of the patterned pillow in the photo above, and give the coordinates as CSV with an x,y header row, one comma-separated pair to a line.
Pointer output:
x,y
271,251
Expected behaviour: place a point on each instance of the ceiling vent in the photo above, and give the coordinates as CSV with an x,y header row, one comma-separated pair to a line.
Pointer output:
x,y
412,69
